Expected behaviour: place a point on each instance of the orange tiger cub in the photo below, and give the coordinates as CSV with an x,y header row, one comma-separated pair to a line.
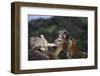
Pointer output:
x,y
73,50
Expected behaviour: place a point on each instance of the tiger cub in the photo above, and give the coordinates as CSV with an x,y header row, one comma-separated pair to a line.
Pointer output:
x,y
39,43
73,50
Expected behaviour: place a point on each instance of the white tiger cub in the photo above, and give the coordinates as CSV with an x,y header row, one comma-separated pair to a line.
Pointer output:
x,y
40,43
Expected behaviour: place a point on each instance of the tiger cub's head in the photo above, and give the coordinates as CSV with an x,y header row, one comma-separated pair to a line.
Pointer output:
x,y
72,41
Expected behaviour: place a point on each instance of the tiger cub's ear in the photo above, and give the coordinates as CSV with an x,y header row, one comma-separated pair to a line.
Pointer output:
x,y
70,38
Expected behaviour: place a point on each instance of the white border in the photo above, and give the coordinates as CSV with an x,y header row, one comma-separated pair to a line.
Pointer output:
x,y
25,64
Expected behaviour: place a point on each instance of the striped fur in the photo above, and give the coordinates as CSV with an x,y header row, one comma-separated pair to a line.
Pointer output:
x,y
73,50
